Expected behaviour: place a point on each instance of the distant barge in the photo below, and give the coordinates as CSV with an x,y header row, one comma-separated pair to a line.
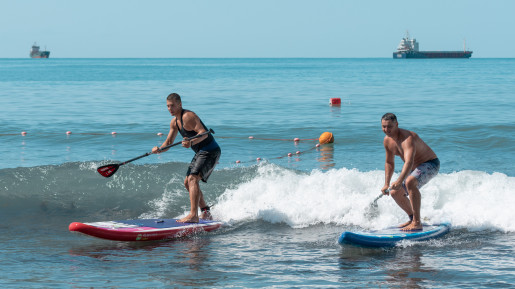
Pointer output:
x,y
408,48
35,53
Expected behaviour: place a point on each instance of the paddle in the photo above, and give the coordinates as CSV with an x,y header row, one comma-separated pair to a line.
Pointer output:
x,y
374,203
109,170
371,210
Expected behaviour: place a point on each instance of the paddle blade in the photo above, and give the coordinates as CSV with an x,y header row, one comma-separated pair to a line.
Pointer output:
x,y
108,170
372,210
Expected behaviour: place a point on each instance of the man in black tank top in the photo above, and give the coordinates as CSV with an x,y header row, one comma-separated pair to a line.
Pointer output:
x,y
207,153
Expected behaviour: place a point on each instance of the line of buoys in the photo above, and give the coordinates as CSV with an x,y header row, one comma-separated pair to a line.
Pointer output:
x,y
278,139
114,133
280,157
325,138
24,133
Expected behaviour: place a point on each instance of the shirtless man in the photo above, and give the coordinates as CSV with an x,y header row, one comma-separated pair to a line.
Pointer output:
x,y
207,153
420,165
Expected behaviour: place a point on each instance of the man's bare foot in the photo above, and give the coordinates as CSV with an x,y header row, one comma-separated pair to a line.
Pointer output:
x,y
414,226
405,224
189,219
206,215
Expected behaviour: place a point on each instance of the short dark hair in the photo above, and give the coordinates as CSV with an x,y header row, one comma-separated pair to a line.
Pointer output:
x,y
389,116
174,97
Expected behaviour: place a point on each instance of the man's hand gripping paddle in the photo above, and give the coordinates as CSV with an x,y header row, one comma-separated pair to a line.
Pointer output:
x,y
109,170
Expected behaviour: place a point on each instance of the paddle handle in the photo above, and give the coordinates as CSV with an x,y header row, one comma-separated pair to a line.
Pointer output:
x,y
169,146
381,195
190,138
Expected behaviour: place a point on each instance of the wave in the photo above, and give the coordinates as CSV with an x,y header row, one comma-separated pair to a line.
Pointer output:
x,y
472,200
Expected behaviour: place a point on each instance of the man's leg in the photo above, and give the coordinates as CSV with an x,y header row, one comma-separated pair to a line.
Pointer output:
x,y
192,185
205,213
415,201
402,200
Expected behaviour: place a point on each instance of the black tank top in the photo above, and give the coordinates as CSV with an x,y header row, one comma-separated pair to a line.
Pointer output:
x,y
191,133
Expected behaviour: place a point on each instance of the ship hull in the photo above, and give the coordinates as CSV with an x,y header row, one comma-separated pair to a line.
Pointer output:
x,y
432,54
42,54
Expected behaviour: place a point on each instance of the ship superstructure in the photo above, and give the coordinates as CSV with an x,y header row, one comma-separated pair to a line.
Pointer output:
x,y
36,53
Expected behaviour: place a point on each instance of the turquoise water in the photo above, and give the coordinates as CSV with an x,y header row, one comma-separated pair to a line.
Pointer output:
x,y
284,213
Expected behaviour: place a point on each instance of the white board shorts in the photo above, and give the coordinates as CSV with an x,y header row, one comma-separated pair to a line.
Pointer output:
x,y
424,173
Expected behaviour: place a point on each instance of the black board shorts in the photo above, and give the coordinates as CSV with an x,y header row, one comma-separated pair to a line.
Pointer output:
x,y
204,163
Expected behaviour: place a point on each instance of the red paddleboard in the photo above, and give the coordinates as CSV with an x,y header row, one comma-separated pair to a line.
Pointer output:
x,y
143,230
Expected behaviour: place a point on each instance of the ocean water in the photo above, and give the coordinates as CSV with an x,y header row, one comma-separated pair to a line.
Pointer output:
x,y
283,213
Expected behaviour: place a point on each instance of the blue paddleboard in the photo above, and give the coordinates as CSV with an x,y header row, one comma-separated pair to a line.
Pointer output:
x,y
391,236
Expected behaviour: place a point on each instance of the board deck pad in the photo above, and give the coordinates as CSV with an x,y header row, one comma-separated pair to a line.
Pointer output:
x,y
391,236
144,229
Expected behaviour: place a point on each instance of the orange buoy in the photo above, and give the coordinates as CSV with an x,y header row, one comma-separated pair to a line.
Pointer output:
x,y
326,137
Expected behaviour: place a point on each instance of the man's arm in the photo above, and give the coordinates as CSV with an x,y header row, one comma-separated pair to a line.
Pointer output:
x,y
192,122
169,139
389,166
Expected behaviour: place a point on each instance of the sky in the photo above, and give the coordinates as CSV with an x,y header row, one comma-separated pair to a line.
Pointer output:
x,y
248,28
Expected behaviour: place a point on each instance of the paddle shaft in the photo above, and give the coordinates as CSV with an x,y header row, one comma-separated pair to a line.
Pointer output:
x,y
377,198
380,196
168,146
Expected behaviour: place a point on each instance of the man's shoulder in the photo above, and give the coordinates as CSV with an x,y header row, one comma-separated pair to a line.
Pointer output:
x,y
190,119
406,134
388,141
189,114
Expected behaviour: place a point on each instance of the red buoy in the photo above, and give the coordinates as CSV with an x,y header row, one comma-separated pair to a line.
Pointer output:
x,y
335,101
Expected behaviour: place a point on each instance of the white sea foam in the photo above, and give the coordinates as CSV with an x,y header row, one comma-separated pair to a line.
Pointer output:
x,y
468,199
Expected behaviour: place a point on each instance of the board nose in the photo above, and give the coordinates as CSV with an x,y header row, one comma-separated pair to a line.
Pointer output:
x,y
74,226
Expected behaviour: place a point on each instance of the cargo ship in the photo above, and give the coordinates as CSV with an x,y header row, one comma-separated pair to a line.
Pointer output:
x,y
408,48
35,53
